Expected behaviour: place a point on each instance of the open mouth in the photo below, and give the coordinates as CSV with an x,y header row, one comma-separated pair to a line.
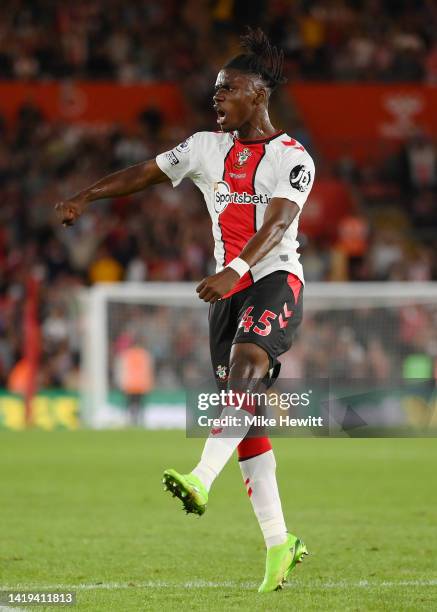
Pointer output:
x,y
221,116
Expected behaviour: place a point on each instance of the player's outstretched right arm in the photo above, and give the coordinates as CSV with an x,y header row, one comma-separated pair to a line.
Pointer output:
x,y
127,181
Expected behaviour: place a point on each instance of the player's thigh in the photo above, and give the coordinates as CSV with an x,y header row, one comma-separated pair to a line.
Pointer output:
x,y
222,329
271,313
248,361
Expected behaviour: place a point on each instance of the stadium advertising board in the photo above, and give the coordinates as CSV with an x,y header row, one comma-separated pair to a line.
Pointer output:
x,y
49,410
364,121
93,103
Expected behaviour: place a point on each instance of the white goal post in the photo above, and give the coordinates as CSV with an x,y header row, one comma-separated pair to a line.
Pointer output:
x,y
359,326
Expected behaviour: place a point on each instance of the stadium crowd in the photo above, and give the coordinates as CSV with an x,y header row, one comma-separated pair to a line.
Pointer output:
x,y
378,343
164,234
115,40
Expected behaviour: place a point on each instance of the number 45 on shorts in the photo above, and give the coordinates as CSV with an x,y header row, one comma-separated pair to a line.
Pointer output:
x,y
265,320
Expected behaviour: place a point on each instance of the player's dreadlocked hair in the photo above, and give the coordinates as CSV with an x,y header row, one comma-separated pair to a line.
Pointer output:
x,y
260,57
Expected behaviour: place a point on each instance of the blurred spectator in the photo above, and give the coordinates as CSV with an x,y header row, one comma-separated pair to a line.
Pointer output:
x,y
135,378
19,376
431,65
56,327
353,234
105,268
420,163
424,211
385,254
316,262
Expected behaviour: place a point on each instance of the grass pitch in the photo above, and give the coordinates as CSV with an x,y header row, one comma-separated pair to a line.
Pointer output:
x,y
85,511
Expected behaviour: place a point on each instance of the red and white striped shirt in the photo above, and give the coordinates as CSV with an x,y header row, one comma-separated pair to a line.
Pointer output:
x,y
238,178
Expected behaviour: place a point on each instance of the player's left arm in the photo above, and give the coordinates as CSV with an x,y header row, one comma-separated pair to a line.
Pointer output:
x,y
278,217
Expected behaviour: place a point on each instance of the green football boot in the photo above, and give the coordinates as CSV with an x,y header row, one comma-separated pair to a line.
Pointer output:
x,y
190,490
280,561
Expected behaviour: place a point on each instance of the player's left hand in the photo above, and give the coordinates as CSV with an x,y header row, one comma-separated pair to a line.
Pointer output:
x,y
213,287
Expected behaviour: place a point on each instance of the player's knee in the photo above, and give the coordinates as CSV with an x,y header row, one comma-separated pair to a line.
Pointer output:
x,y
248,361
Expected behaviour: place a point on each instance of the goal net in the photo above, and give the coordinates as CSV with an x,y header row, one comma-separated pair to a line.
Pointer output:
x,y
367,331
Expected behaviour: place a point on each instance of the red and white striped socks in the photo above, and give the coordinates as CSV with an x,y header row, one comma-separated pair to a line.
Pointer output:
x,y
219,448
258,467
259,475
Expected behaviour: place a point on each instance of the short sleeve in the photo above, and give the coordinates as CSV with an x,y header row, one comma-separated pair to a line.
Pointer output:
x,y
180,162
296,176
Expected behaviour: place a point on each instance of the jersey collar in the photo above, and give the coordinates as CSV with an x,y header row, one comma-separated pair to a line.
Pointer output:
x,y
260,140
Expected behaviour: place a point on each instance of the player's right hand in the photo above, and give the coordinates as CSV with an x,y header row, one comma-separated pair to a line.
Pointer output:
x,y
68,211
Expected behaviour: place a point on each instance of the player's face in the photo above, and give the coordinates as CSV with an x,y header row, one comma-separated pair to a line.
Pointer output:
x,y
236,99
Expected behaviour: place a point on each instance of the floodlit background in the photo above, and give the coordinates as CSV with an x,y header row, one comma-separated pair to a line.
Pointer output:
x,y
92,87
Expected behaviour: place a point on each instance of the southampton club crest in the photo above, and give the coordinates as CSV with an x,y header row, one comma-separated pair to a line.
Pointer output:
x,y
221,372
243,156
